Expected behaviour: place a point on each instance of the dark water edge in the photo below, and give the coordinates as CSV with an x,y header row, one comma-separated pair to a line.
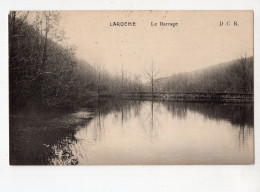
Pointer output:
x,y
32,131
33,134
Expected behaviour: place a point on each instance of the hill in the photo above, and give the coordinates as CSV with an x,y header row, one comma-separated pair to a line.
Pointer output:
x,y
236,76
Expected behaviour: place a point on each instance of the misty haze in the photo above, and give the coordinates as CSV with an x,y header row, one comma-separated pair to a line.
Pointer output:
x,y
83,92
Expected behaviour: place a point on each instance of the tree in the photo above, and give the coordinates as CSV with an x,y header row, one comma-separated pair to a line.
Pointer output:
x,y
47,22
151,74
122,77
99,70
242,74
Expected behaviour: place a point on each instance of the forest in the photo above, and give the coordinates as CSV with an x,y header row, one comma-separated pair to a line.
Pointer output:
x,y
43,74
235,76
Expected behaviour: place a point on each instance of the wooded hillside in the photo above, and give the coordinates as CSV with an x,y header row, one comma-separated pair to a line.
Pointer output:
x,y
236,76
44,74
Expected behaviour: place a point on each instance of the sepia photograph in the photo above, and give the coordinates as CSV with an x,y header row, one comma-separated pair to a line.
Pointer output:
x,y
131,87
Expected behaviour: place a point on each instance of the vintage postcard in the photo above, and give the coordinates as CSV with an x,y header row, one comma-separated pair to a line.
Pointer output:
x,y
131,87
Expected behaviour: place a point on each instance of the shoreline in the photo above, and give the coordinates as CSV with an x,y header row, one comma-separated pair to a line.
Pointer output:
x,y
188,97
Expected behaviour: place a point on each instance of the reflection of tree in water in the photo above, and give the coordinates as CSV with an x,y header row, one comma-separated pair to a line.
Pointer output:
x,y
152,129
236,114
149,119
124,110
98,127
98,124
239,115
36,140
123,107
244,133
178,110
42,139
63,153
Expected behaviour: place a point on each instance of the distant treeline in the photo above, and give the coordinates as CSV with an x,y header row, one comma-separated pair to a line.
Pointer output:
x,y
44,74
233,77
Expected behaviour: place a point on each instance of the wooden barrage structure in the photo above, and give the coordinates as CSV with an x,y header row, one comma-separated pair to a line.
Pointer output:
x,y
192,97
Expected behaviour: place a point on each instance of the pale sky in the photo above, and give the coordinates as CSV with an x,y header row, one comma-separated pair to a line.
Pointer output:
x,y
198,41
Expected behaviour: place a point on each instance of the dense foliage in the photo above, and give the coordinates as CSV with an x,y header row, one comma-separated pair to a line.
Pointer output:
x,y
234,77
44,74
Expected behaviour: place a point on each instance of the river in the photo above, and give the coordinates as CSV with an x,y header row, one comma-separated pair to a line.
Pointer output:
x,y
128,132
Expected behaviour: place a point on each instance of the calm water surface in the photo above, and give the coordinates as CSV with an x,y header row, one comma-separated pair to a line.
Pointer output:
x,y
135,132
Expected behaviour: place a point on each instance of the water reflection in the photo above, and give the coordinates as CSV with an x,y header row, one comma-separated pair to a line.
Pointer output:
x,y
137,132
45,138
